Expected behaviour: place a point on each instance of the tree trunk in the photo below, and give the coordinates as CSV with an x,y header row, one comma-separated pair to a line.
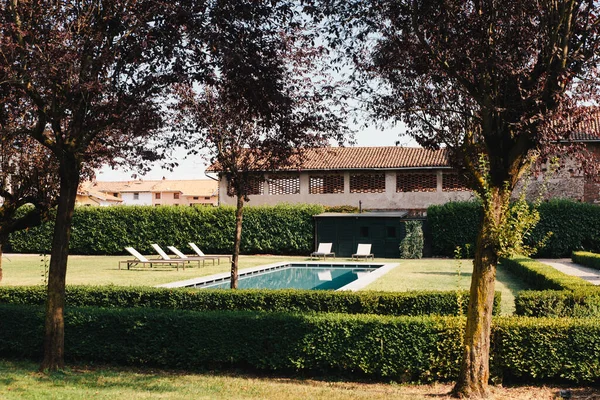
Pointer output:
x,y
474,373
239,213
54,338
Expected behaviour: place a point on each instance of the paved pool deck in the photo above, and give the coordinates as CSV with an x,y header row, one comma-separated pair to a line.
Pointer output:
x,y
570,268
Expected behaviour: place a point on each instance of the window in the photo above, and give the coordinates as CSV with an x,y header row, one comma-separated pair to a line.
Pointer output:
x,y
176,196
416,182
285,184
364,231
136,196
157,196
195,197
367,183
116,194
320,184
253,186
207,198
453,182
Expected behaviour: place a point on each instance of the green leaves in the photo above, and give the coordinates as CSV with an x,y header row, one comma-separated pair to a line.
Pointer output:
x,y
382,303
377,347
281,229
412,244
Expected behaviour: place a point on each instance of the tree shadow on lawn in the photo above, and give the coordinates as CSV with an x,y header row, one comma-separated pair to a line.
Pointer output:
x,y
462,274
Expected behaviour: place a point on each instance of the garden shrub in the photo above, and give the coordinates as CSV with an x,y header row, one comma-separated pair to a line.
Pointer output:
x,y
387,348
573,226
559,303
558,294
411,246
586,258
541,276
281,229
453,225
289,300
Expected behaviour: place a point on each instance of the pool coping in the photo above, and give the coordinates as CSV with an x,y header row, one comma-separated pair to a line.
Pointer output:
x,y
352,286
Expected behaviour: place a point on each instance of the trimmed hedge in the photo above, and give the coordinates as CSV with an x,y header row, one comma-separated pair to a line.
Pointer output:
x,y
586,258
574,226
384,303
559,295
558,303
453,224
541,276
281,229
379,347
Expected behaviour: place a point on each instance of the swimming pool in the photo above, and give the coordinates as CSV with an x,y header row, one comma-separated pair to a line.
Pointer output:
x,y
294,275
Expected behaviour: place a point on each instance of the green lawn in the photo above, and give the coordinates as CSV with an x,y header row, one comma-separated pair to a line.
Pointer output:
x,y
424,274
20,380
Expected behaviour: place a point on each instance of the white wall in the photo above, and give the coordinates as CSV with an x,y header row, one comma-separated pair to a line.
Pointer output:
x,y
145,199
388,200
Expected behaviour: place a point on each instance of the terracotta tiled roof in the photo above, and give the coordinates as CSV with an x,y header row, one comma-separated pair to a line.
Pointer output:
x,y
588,129
196,187
350,158
199,187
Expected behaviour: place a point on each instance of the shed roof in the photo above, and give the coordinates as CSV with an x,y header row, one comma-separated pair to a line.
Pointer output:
x,y
369,214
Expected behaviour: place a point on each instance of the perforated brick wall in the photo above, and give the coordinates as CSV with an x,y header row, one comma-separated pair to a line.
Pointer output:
x,y
416,182
453,182
323,184
367,183
288,184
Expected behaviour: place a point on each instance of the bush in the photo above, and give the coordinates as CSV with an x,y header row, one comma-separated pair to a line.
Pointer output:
x,y
385,303
282,229
453,225
563,303
411,245
379,347
541,276
586,258
574,226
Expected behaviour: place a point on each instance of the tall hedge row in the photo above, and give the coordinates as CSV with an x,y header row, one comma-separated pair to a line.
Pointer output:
x,y
380,347
281,229
382,303
574,226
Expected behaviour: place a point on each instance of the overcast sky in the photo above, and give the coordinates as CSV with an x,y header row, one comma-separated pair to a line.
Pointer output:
x,y
193,167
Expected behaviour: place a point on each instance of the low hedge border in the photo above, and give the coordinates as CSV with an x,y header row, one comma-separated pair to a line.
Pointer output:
x,y
559,294
558,303
378,347
542,276
383,303
586,258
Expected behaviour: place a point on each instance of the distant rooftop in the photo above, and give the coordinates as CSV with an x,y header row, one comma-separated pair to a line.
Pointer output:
x,y
192,187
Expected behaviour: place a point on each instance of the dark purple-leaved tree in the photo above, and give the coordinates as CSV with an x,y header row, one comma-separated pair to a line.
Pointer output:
x,y
89,73
262,100
28,176
496,82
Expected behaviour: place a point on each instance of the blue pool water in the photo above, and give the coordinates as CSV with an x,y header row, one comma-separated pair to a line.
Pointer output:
x,y
297,276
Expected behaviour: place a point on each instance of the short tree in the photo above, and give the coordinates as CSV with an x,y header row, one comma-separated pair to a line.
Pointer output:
x,y
89,72
263,100
495,82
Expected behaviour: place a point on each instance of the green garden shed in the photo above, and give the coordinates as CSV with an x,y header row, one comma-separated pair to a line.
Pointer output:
x,y
383,230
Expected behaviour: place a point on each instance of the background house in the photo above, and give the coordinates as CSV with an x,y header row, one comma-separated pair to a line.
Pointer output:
x,y
383,178
158,192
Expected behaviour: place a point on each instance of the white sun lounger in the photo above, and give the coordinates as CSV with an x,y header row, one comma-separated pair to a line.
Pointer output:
x,y
141,260
323,250
363,250
200,253
182,256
